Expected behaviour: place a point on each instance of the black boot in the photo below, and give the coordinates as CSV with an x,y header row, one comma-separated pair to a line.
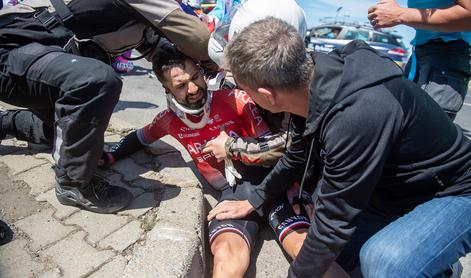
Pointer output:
x,y
99,196
6,234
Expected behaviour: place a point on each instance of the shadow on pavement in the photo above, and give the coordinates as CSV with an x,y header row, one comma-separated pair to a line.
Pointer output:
x,y
159,169
123,105
8,146
137,71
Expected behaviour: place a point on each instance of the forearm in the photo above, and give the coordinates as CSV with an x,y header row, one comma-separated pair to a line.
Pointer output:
x,y
262,151
453,19
273,186
288,170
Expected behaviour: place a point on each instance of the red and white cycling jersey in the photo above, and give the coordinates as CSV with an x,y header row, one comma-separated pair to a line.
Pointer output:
x,y
231,110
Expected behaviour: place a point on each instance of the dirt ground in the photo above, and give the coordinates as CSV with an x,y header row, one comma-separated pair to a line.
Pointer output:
x,y
14,197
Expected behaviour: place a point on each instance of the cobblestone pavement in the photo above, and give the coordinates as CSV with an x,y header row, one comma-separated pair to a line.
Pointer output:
x,y
52,240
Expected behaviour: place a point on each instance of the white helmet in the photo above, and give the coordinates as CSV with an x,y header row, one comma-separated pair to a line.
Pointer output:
x,y
253,10
182,111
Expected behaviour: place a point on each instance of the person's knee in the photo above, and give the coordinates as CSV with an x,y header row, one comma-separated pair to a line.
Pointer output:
x,y
106,81
96,89
381,257
231,255
90,80
231,250
228,249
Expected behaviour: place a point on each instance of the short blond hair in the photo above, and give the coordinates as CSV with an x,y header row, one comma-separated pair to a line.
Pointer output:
x,y
269,52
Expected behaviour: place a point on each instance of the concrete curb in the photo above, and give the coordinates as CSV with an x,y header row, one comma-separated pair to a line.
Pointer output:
x,y
170,250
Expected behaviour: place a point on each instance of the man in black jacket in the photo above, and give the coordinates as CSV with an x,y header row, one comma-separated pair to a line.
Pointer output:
x,y
53,61
394,173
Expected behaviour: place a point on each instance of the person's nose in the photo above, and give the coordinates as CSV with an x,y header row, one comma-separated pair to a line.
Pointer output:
x,y
192,88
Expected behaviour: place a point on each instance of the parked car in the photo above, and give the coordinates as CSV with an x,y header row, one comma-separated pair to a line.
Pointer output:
x,y
328,37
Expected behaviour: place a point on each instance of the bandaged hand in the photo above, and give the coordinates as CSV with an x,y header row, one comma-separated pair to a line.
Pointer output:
x,y
217,146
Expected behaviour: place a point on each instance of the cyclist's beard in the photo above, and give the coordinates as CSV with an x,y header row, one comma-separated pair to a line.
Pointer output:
x,y
191,104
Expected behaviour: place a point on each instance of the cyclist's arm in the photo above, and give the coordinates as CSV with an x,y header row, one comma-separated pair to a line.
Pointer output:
x,y
137,140
263,151
126,146
261,147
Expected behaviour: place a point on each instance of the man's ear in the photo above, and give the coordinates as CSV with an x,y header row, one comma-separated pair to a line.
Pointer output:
x,y
267,93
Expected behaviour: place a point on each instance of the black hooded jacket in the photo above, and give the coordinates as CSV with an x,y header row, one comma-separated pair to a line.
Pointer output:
x,y
377,141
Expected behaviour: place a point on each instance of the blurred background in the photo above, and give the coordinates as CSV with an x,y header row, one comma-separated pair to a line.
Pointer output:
x,y
351,11
334,23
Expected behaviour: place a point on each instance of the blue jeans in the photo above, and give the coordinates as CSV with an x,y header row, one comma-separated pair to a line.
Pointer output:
x,y
423,243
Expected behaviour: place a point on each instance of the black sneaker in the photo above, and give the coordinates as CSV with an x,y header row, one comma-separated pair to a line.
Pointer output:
x,y
99,196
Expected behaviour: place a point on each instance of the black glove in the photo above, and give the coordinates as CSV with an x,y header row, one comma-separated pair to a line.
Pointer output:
x,y
107,159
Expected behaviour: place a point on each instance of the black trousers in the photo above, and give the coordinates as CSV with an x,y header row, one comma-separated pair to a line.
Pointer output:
x,y
69,99
27,126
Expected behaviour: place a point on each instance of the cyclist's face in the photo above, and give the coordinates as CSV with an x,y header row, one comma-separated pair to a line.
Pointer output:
x,y
187,85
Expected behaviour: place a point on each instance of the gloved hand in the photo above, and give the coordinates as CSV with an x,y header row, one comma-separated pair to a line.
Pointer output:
x,y
107,159
303,203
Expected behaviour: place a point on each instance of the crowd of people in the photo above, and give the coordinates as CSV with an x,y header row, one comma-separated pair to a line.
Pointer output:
x,y
354,163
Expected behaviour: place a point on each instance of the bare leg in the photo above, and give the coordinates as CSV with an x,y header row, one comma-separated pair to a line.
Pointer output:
x,y
231,256
292,244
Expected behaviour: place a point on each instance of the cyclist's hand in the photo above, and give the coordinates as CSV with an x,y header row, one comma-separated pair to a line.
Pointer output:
x,y
106,160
